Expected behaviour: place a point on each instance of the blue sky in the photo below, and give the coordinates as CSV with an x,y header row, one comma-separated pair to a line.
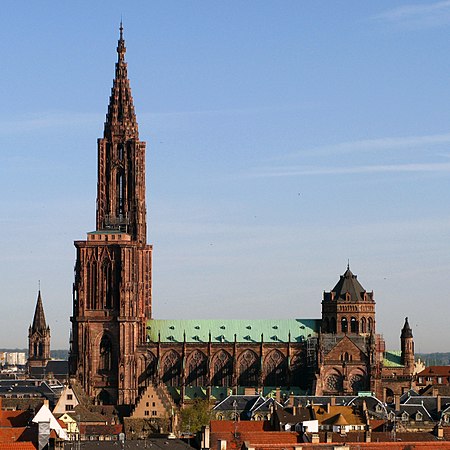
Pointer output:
x,y
284,139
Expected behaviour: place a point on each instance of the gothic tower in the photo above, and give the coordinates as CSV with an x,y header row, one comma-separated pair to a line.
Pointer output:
x,y
38,338
407,347
112,288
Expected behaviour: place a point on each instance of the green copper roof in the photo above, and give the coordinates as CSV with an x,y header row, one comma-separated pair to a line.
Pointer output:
x,y
393,359
272,330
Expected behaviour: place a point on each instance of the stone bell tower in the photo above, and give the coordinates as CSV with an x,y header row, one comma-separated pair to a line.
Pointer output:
x,y
112,288
38,338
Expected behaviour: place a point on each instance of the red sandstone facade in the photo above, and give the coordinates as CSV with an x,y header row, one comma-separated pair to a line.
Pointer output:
x,y
112,289
112,355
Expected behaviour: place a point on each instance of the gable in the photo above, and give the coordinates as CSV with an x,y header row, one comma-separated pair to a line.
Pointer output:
x,y
343,349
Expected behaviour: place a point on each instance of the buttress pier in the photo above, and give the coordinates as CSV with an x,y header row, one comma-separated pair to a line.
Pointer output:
x,y
112,288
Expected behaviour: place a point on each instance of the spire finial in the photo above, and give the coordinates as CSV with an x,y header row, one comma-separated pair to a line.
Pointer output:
x,y
348,264
121,28
39,285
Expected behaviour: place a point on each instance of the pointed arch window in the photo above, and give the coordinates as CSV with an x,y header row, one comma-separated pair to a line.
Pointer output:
x,y
172,369
248,369
297,369
105,360
275,369
197,369
120,194
91,285
120,151
222,369
108,280
370,325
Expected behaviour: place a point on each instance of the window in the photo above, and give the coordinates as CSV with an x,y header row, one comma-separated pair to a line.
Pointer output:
x,y
153,413
344,325
69,407
153,404
146,413
439,380
69,396
147,404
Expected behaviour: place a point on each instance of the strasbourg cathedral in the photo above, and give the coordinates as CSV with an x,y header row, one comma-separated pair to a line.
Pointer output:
x,y
118,350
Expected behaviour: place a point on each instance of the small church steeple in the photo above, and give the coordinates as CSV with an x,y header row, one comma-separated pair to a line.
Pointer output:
x,y
38,337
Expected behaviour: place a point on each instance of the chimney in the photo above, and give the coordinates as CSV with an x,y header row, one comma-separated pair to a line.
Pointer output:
x,y
315,439
438,403
368,436
205,437
435,392
328,407
278,395
440,432
328,437
291,400
333,400
397,402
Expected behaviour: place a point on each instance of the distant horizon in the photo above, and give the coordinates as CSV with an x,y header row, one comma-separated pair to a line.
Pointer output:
x,y
282,141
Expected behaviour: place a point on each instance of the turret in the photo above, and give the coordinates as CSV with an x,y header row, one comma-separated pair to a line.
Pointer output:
x,y
407,346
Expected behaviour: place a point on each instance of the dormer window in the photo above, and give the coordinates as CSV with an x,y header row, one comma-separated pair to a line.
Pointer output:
x,y
419,416
405,416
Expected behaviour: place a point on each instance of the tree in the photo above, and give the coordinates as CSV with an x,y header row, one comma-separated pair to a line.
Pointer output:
x,y
195,416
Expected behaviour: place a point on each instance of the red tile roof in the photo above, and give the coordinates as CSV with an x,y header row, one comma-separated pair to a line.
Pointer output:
x,y
17,446
14,418
241,426
257,433
442,371
8,435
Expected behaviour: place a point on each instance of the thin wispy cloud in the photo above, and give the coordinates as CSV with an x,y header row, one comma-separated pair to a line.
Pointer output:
x,y
374,145
290,171
420,15
35,122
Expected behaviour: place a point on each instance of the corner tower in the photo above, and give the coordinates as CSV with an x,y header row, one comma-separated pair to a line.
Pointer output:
x,y
38,338
348,308
407,347
112,289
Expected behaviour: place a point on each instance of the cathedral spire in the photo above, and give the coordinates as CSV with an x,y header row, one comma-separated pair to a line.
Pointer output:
x,y
121,161
121,118
39,323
